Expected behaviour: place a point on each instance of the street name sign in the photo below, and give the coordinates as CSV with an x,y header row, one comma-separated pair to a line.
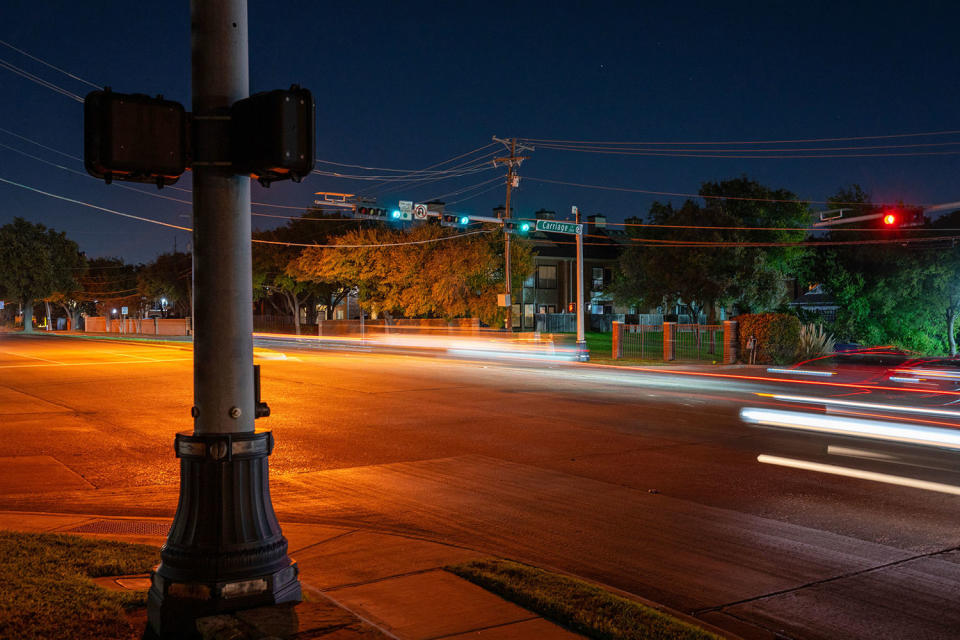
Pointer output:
x,y
560,227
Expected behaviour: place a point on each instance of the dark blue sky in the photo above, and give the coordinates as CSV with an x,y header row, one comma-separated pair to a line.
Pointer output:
x,y
406,85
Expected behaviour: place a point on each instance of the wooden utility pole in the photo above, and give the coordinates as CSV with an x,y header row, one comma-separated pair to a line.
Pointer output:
x,y
513,160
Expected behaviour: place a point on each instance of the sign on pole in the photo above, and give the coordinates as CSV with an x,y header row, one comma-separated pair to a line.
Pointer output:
x,y
560,227
420,211
406,206
123,311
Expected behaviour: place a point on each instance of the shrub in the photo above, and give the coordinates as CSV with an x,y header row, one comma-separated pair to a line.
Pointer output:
x,y
814,341
777,335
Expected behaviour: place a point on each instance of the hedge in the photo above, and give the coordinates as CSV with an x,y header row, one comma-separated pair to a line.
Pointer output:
x,y
777,335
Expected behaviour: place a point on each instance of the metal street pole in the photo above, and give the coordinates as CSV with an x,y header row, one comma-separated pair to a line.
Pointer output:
x,y
582,354
225,550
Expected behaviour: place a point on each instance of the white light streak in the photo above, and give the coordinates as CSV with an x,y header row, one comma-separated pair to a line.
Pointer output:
x,y
876,406
803,372
860,474
855,427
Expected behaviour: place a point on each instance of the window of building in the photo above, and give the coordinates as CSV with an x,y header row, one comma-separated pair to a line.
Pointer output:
x,y
530,281
547,276
528,315
597,280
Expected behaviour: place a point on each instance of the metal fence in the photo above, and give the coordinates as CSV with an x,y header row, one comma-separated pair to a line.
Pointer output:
x,y
640,341
699,342
669,341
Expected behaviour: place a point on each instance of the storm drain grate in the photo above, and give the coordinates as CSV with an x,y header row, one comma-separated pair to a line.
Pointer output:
x,y
133,527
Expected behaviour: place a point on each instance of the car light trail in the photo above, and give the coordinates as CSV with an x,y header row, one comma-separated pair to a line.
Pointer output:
x,y
854,427
849,452
902,379
804,372
858,473
876,406
820,383
932,373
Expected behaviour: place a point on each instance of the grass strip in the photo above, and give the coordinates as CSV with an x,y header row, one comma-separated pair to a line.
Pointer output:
x,y
575,604
47,591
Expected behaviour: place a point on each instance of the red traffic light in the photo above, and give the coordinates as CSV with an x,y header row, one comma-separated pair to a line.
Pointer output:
x,y
890,219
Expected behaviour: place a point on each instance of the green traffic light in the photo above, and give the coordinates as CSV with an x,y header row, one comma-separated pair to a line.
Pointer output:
x,y
524,227
464,219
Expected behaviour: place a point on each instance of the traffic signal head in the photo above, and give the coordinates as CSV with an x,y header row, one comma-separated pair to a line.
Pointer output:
x,y
367,211
134,137
520,227
454,220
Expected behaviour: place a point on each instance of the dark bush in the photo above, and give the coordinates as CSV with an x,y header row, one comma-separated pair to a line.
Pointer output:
x,y
777,335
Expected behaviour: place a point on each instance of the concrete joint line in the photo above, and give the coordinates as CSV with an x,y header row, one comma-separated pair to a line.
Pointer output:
x,y
478,629
383,579
815,583
319,542
357,615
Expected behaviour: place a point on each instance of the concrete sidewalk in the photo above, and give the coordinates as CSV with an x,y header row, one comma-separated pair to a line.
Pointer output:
x,y
357,584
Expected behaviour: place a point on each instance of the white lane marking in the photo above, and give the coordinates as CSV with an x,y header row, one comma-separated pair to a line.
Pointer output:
x,y
14,353
84,364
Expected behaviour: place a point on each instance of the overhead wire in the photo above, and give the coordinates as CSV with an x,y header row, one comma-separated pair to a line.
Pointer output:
x,y
746,142
181,228
44,62
38,80
709,197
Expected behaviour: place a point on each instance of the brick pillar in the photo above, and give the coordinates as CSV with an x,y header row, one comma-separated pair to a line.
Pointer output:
x,y
617,342
731,342
669,341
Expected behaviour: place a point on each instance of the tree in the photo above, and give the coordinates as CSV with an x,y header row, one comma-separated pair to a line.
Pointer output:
x,y
35,263
110,283
714,262
425,271
906,294
169,277
277,281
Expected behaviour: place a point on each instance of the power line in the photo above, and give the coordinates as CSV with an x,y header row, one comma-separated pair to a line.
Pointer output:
x,y
37,79
289,244
746,142
766,155
44,62
697,195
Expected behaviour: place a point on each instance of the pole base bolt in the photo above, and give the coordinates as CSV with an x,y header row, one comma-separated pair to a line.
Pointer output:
x,y
235,412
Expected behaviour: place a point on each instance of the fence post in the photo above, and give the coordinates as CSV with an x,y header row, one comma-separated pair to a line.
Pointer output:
x,y
669,341
731,342
617,327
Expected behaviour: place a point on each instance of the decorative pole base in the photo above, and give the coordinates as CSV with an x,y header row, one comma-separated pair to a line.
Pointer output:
x,y
225,550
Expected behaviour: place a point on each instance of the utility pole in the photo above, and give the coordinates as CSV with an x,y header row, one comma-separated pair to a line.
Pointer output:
x,y
583,354
225,550
512,161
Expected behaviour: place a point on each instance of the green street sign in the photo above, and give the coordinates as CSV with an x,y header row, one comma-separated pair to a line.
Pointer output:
x,y
560,227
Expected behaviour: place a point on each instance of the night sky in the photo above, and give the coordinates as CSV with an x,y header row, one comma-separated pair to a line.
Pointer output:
x,y
406,85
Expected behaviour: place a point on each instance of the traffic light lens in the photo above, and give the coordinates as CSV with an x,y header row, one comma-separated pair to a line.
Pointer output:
x,y
396,214
464,220
889,219
525,227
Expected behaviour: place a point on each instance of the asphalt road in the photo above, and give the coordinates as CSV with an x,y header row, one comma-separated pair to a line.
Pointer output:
x,y
647,481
